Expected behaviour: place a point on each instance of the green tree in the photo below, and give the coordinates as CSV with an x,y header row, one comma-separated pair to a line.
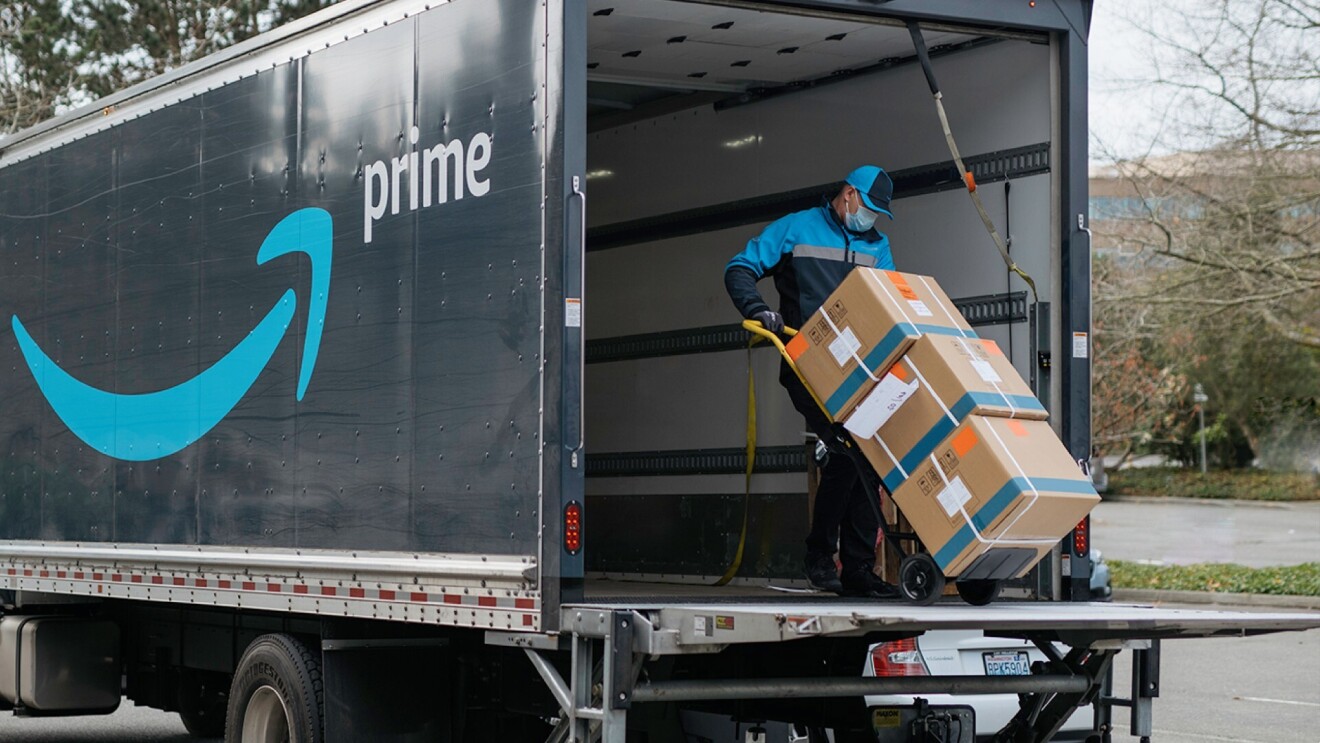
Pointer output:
x,y
58,53
37,72
122,42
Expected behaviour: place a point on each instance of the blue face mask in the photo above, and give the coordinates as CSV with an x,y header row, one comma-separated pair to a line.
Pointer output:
x,y
861,220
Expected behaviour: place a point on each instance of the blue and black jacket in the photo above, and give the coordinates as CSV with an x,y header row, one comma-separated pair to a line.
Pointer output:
x,y
809,253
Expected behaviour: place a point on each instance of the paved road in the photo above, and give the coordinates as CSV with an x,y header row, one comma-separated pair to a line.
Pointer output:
x,y
1262,689
128,725
1184,531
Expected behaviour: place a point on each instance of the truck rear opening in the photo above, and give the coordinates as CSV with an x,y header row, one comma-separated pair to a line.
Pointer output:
x,y
704,123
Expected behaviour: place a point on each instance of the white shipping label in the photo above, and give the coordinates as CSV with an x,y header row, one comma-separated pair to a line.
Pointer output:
x,y
844,346
879,406
920,308
954,496
986,371
572,312
1080,350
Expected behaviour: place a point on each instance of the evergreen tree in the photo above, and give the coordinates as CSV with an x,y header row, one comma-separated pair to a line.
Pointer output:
x,y
55,54
37,72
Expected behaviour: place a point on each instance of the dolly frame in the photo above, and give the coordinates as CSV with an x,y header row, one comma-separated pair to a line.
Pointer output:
x,y
920,580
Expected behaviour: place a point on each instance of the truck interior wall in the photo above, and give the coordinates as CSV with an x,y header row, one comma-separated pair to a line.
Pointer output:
x,y
998,98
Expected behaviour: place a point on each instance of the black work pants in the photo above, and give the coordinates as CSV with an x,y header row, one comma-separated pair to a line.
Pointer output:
x,y
845,514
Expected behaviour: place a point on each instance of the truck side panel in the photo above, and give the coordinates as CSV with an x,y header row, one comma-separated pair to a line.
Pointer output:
x,y
131,262
248,485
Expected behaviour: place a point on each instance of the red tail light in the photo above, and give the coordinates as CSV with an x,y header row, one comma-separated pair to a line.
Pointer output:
x,y
898,658
573,527
1082,537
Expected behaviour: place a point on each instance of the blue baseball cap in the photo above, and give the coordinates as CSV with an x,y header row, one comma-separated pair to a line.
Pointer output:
x,y
875,186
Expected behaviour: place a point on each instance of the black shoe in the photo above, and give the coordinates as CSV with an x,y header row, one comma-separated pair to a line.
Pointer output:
x,y
822,575
866,585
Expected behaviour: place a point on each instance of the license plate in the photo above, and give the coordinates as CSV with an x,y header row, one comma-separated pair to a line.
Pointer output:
x,y
1014,663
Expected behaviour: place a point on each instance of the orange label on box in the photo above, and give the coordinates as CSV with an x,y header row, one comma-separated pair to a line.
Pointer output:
x,y
991,347
901,284
964,441
899,371
796,347
1016,427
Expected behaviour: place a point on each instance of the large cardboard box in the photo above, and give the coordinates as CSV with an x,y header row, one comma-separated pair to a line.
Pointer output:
x,y
995,482
940,381
872,318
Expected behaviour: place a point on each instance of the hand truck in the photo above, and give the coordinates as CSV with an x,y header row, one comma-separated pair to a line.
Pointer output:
x,y
920,579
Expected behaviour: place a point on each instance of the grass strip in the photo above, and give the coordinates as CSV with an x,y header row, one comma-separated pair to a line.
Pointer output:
x,y
1291,580
1224,484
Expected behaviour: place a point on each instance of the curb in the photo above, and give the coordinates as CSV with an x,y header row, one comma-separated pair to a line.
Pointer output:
x,y
1221,502
1148,595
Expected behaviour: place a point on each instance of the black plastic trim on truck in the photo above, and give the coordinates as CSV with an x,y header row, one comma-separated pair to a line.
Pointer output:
x,y
565,263
989,167
730,461
987,309
1072,353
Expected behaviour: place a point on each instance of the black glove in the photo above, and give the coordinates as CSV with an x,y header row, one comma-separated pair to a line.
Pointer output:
x,y
770,320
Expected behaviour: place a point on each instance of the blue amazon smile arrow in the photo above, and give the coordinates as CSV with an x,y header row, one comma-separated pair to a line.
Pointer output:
x,y
152,425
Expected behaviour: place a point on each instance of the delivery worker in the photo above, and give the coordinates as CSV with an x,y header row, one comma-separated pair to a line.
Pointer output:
x,y
809,253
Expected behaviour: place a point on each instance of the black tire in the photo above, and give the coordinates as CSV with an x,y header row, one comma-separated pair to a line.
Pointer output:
x,y
979,592
276,670
203,700
920,580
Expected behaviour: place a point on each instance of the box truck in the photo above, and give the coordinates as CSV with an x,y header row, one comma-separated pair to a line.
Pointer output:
x,y
373,379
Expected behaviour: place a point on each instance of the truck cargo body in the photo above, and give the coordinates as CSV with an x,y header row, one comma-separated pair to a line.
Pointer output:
x,y
273,307
412,314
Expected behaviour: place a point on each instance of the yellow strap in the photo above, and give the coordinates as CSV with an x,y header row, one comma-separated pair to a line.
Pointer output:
x,y
751,465
755,328
976,200
759,333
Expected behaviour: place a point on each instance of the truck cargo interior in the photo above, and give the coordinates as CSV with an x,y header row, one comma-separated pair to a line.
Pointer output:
x,y
704,123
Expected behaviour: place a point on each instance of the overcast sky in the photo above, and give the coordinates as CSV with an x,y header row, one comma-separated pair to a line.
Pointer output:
x,y
1124,114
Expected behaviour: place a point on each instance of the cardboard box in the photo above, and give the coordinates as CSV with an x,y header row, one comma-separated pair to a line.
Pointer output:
x,y
872,317
992,479
940,381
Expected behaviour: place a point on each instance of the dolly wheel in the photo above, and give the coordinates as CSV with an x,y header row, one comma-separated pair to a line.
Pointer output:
x,y
979,592
920,579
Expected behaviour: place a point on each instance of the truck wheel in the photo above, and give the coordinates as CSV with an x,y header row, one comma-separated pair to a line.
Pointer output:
x,y
920,580
276,694
979,592
202,700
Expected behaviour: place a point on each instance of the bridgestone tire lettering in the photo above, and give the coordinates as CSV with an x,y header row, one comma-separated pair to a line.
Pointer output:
x,y
282,663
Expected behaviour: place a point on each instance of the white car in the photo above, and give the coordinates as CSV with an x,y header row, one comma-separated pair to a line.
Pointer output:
x,y
935,653
965,653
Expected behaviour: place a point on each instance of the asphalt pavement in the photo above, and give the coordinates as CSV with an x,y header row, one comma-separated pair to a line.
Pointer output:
x,y
1184,531
1263,689
128,724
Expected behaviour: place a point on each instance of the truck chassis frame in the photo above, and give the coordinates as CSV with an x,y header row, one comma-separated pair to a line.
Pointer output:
x,y
610,647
